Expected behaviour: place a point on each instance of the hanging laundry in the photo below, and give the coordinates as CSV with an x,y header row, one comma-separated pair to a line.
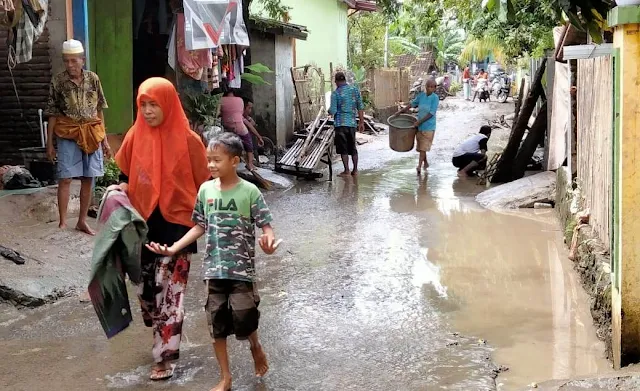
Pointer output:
x,y
237,80
7,6
27,33
192,62
10,13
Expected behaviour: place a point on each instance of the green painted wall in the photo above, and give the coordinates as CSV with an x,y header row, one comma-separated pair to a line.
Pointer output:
x,y
111,37
328,31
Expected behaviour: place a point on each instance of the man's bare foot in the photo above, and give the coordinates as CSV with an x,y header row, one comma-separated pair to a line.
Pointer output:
x,y
224,385
418,170
62,225
84,227
343,174
462,174
260,360
354,172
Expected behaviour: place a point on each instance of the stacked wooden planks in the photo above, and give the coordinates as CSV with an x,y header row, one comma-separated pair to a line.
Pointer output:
x,y
308,158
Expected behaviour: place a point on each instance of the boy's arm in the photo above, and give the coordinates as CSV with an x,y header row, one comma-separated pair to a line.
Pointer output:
x,y
190,237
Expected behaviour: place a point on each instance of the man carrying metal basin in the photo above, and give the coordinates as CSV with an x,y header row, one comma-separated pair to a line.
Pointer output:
x,y
427,103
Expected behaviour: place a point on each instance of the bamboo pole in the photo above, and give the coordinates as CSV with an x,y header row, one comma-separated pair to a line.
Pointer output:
x,y
69,18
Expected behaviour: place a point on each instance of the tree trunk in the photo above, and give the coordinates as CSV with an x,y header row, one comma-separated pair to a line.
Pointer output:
x,y
504,169
519,102
530,144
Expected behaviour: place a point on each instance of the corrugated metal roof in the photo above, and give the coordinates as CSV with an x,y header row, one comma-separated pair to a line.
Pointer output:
x,y
280,28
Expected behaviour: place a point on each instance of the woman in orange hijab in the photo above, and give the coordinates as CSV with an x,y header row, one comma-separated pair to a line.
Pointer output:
x,y
163,164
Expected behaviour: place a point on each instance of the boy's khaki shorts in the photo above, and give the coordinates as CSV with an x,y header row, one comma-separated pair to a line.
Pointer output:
x,y
424,140
232,308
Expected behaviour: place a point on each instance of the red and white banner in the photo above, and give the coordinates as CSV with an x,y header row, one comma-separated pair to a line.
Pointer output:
x,y
210,23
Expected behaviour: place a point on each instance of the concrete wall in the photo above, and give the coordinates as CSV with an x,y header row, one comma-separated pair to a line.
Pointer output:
x,y
57,26
328,31
273,104
264,97
284,90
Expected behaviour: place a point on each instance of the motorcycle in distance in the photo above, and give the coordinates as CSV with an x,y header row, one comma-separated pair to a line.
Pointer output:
x,y
482,91
501,87
442,87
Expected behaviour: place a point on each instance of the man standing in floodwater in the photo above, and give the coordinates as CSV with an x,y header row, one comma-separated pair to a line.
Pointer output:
x,y
427,103
75,110
345,101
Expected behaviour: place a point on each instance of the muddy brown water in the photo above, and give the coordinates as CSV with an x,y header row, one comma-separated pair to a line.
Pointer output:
x,y
385,281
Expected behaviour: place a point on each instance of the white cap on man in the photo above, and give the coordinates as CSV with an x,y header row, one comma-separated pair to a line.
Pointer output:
x,y
72,47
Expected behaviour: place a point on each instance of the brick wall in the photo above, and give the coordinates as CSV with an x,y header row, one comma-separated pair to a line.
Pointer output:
x,y
20,128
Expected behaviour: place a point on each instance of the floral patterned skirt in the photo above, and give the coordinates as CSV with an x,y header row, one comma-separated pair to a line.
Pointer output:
x,y
162,300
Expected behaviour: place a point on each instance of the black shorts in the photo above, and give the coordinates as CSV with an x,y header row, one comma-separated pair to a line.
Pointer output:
x,y
464,160
232,308
346,141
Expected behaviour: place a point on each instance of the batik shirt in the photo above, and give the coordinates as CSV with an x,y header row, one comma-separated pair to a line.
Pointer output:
x,y
78,102
230,218
346,101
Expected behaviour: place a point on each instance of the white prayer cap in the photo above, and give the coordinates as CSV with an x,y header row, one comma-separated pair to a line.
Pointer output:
x,y
72,47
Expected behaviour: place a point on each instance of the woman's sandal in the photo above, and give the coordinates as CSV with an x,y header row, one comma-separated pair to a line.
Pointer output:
x,y
161,374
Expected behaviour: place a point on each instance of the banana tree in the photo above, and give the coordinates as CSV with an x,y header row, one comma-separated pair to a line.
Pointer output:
x,y
585,15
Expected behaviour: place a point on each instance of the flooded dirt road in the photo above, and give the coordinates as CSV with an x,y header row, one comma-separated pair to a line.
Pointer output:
x,y
384,281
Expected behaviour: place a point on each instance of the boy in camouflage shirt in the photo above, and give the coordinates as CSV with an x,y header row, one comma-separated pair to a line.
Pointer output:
x,y
227,210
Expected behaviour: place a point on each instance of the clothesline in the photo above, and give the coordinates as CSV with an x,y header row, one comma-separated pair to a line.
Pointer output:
x,y
209,66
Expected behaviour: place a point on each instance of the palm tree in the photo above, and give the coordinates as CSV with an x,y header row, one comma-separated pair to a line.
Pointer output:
x,y
446,45
482,47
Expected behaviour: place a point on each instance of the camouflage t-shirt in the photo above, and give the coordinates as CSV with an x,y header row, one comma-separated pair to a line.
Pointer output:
x,y
229,218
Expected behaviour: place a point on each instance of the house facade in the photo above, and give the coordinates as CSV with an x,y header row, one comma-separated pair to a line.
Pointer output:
x,y
327,22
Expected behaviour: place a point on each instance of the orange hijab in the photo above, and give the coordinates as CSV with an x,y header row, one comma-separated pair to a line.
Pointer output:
x,y
167,164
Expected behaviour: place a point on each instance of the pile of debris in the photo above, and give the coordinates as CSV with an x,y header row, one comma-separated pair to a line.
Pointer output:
x,y
313,146
17,177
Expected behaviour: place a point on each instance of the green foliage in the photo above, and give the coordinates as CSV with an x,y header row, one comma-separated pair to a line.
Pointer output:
x,y
360,75
419,25
274,9
446,43
201,109
455,87
587,15
253,74
366,40
522,27
111,174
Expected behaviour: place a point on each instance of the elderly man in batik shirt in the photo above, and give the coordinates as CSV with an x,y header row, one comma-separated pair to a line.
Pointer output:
x,y
75,111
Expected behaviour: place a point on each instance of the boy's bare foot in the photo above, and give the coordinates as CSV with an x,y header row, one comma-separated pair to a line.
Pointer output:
x,y
260,360
354,172
462,174
224,385
62,225
343,174
84,227
418,170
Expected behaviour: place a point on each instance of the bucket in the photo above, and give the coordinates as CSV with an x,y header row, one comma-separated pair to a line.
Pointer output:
x,y
402,132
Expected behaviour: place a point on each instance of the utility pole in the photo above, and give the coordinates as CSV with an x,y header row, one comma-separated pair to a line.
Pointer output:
x,y
386,46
